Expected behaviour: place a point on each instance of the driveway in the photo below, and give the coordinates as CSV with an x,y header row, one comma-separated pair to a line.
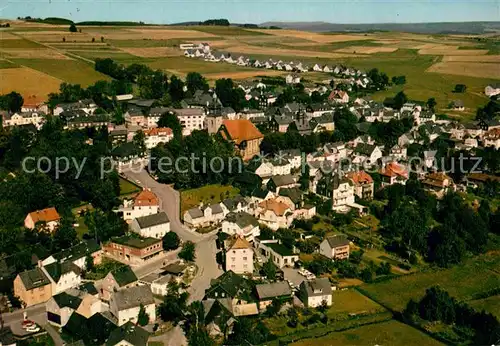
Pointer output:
x,y
293,275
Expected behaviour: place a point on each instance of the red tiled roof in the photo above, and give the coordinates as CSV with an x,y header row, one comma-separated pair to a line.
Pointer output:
x,y
279,208
394,169
158,131
146,198
45,215
360,177
240,130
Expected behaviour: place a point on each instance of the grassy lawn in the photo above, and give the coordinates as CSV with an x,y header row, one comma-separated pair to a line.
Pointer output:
x,y
82,228
127,187
155,343
71,71
385,333
209,194
351,302
462,282
185,65
490,304
101,270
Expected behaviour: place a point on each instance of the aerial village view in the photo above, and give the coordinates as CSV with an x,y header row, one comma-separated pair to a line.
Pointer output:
x,y
249,173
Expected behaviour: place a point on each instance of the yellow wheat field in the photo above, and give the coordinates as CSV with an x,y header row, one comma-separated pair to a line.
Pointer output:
x,y
366,50
153,52
33,53
315,37
472,58
33,85
286,52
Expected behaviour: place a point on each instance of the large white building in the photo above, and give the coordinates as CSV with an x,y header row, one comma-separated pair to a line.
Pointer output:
x,y
63,276
156,136
314,293
24,118
239,256
191,119
151,226
145,203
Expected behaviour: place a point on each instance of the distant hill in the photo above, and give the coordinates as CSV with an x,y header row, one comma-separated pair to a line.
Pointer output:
x,y
423,28
49,20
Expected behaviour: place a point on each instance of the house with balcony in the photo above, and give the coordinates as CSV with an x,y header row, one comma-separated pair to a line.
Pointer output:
x,y
335,247
339,189
363,184
274,214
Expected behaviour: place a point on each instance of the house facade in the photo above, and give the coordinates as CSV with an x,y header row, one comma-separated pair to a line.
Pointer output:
x,y
241,224
313,293
279,254
151,226
335,247
239,256
125,304
32,287
244,135
157,135
363,184
49,217
133,250
144,204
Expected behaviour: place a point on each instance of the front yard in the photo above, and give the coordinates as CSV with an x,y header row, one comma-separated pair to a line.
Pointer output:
x,y
209,194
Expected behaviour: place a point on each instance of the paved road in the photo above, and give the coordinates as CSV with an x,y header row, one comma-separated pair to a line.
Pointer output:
x,y
205,245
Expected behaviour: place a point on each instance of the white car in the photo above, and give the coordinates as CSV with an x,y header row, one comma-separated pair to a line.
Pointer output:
x,y
33,328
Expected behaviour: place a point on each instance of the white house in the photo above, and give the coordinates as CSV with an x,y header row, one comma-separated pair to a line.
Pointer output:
x,y
213,214
151,226
293,156
292,79
274,214
125,304
241,224
145,203
157,135
492,89
239,256
313,293
160,285
24,118
77,254
339,189
367,153
317,68
279,254
335,247
275,167
191,119
63,276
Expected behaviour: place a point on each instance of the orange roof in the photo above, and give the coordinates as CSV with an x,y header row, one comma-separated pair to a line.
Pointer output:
x,y
240,130
146,198
163,131
239,243
360,177
394,169
492,134
337,94
439,176
279,208
45,215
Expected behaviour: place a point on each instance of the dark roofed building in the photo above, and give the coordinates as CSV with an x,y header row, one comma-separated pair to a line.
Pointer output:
x,y
154,225
266,293
129,334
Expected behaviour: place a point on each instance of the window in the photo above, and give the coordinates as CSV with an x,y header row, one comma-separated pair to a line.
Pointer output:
x,y
244,258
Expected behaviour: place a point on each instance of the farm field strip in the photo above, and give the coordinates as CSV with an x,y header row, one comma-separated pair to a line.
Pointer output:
x,y
472,69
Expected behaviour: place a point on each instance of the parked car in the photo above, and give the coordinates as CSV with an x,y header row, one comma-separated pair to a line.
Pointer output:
x,y
27,323
33,328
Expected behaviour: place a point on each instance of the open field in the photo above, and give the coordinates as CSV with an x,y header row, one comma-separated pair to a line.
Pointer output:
x,y
292,53
117,55
209,194
490,304
351,301
127,187
462,282
18,43
57,36
37,53
242,74
472,69
71,71
449,50
153,52
315,37
384,333
149,33
366,50
7,64
34,86
469,58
